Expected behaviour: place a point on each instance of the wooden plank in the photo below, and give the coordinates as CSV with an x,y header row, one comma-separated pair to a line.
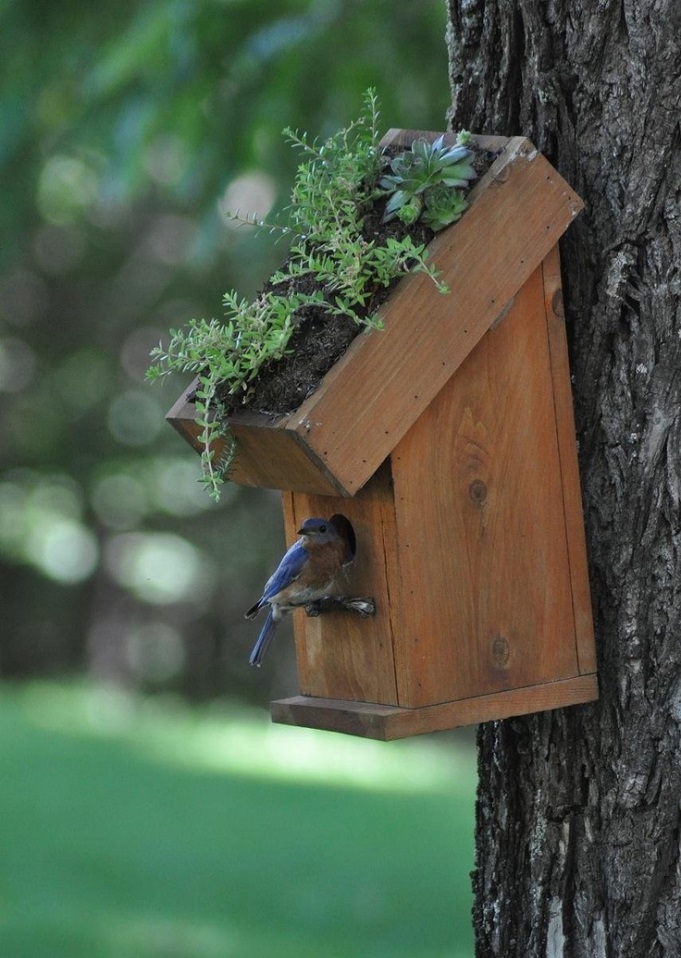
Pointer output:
x,y
482,543
386,379
340,654
569,465
386,723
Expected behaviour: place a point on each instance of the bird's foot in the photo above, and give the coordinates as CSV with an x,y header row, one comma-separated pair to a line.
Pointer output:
x,y
363,605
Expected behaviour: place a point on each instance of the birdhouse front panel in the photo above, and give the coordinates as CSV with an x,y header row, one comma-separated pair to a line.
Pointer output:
x,y
470,537
339,654
481,528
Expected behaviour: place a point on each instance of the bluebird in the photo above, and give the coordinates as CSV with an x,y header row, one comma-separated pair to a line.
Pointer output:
x,y
307,572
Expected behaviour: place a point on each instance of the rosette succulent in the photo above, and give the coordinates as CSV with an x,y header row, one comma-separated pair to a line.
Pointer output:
x,y
427,183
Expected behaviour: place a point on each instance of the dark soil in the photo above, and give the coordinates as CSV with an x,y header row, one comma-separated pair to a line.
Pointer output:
x,y
319,338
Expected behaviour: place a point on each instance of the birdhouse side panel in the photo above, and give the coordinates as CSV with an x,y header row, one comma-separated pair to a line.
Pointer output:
x,y
569,464
481,526
341,655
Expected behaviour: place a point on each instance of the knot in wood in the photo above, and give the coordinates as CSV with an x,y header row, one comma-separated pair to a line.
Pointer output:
x,y
478,491
501,651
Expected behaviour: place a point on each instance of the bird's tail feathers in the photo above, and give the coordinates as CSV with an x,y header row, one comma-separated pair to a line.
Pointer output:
x,y
253,611
264,639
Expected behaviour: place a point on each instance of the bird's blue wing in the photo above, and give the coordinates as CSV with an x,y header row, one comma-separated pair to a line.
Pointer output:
x,y
287,571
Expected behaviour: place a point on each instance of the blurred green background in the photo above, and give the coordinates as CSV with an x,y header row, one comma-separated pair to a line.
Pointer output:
x,y
132,830
146,808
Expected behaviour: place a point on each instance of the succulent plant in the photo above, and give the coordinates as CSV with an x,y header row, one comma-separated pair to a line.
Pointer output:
x,y
427,183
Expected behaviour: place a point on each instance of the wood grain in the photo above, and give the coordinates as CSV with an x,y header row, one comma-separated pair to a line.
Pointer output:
x,y
469,537
268,454
386,379
447,440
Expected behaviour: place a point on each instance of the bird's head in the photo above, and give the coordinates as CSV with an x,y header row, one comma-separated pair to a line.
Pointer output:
x,y
318,529
337,528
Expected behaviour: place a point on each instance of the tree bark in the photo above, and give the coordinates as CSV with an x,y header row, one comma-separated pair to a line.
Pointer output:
x,y
578,820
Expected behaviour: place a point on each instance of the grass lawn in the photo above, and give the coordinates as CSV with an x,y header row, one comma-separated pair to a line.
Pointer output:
x,y
138,829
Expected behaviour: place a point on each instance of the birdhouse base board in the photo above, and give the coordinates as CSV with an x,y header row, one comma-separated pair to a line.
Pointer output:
x,y
387,722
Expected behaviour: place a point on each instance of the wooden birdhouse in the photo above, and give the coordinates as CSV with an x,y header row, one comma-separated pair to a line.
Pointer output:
x,y
447,440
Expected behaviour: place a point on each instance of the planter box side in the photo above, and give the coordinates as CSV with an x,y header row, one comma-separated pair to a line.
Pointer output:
x,y
267,457
341,434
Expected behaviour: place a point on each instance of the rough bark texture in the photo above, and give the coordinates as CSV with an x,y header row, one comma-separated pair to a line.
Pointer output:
x,y
578,821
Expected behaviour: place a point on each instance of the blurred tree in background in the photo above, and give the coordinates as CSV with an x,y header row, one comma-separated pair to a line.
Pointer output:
x,y
126,129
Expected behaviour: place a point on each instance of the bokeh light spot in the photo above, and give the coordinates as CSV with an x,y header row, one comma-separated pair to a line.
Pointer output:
x,y
250,193
160,568
41,524
155,652
64,550
166,159
120,501
135,418
177,490
17,365
66,188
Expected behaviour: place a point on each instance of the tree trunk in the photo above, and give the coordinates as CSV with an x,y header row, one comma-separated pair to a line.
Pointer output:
x,y
578,821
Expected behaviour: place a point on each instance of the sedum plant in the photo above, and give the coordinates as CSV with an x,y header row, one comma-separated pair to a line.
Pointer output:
x,y
337,184
227,355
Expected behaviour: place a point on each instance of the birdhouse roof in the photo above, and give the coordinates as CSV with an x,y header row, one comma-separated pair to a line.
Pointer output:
x,y
337,439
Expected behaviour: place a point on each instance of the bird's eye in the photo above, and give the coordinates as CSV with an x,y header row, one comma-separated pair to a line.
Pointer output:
x,y
322,528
